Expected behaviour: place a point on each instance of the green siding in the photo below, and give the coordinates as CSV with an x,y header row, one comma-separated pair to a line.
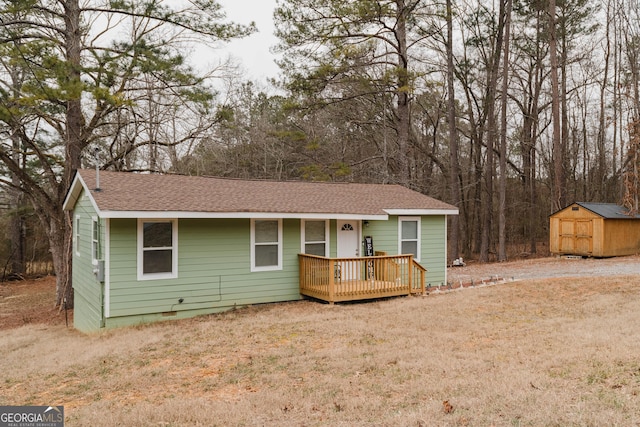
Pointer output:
x,y
88,291
433,239
214,271
214,268
434,253
384,234
333,240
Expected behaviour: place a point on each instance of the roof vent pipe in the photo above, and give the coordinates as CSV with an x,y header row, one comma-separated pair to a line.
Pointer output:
x,y
96,152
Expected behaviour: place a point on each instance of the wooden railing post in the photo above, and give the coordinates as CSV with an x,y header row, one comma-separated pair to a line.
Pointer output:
x,y
332,280
410,272
301,274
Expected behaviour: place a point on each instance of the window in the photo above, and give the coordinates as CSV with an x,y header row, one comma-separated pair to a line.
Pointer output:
x,y
157,249
95,240
409,236
315,237
266,244
76,234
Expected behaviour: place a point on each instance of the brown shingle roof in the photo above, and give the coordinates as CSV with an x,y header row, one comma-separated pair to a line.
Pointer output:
x,y
126,192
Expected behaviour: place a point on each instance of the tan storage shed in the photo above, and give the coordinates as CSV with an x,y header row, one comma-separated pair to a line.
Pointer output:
x,y
594,229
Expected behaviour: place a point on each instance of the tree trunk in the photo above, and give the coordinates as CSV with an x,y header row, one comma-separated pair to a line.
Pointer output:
x,y
528,149
59,230
615,101
564,118
476,142
632,174
502,205
474,178
532,191
601,177
535,120
17,225
487,201
490,108
557,150
17,231
454,167
60,243
403,95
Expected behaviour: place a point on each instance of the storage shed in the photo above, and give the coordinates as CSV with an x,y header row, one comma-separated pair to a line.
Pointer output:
x,y
594,229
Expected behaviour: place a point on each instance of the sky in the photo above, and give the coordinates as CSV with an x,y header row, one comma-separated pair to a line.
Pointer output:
x,y
253,51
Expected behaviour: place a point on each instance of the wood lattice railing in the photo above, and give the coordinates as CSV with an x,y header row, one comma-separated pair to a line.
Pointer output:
x,y
349,279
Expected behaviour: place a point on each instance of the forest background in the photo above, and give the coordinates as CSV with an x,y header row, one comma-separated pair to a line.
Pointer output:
x,y
507,109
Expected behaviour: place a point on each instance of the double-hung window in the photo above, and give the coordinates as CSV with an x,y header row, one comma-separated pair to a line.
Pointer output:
x,y
76,234
95,240
157,249
315,237
409,236
266,244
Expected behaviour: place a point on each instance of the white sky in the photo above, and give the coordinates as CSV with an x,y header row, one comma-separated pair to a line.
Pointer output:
x,y
253,51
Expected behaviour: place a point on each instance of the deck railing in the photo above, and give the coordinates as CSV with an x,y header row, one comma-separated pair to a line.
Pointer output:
x,y
348,279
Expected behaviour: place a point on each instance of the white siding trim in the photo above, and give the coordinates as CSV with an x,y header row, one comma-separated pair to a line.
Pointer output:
x,y
75,191
446,251
107,268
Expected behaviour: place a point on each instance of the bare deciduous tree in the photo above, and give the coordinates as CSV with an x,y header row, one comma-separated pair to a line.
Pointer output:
x,y
77,79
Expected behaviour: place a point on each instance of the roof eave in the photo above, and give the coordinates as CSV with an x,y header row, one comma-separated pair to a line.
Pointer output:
x,y
228,215
73,195
421,212
284,215
75,189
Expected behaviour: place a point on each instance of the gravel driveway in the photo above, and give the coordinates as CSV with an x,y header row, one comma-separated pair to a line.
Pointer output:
x,y
540,268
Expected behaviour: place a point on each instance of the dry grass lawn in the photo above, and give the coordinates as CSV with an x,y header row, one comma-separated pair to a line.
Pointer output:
x,y
561,352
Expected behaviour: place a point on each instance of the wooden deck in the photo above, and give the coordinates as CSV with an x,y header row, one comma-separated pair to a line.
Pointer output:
x,y
350,279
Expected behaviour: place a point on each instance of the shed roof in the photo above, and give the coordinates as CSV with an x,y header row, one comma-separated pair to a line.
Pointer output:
x,y
126,194
607,210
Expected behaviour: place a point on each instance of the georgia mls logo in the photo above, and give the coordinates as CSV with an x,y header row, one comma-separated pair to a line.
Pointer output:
x,y
31,416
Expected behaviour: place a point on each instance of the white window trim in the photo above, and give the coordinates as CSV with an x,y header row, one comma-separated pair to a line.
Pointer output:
x,y
95,223
174,250
76,235
253,243
419,232
303,242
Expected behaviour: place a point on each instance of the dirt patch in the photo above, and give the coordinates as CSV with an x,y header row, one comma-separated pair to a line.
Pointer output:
x,y
30,302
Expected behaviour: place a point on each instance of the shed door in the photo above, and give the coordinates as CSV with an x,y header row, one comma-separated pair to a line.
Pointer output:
x,y
576,236
584,236
566,236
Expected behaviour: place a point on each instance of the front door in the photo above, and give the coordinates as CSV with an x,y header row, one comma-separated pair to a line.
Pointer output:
x,y
348,243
